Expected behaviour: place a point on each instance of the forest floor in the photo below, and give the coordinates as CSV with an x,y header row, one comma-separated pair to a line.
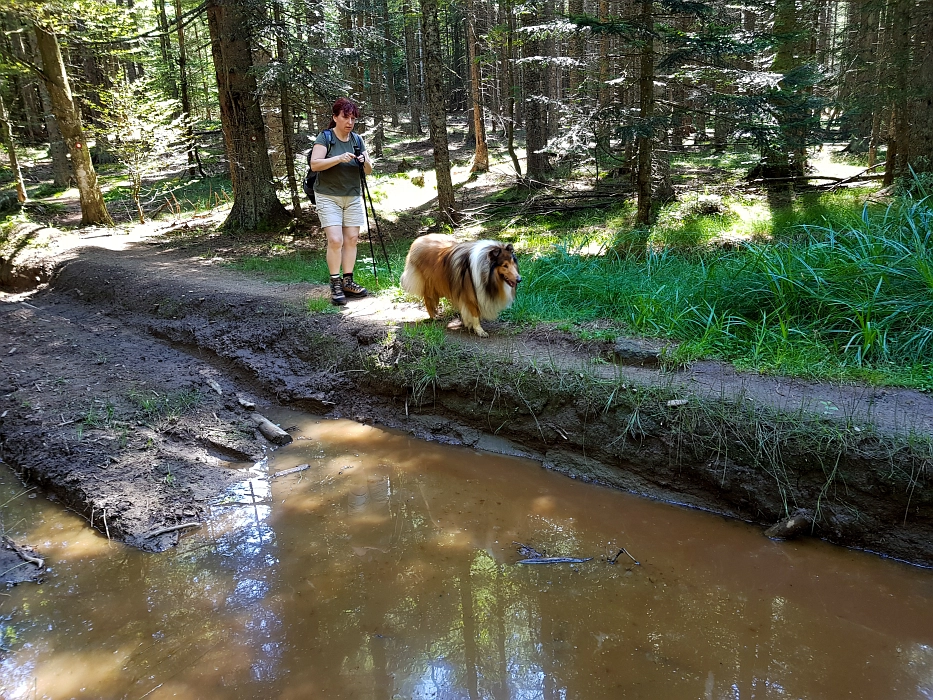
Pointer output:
x,y
133,360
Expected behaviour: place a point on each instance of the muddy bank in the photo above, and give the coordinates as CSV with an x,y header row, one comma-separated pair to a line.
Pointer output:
x,y
81,357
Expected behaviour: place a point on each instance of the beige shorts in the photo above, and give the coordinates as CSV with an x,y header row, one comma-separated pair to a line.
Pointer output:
x,y
340,211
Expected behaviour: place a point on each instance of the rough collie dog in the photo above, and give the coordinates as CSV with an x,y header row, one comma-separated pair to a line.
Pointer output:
x,y
479,277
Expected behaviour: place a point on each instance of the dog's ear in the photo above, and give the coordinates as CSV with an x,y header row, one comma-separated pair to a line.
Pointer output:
x,y
511,250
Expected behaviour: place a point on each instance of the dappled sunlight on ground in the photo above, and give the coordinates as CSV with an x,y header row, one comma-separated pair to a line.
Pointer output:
x,y
828,161
416,187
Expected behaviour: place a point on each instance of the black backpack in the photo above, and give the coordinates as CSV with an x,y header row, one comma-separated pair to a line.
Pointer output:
x,y
311,177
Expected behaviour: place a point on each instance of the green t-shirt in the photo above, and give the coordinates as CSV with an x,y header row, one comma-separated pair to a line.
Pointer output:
x,y
343,179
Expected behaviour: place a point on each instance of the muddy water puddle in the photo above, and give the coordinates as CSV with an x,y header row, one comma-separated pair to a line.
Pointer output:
x,y
388,569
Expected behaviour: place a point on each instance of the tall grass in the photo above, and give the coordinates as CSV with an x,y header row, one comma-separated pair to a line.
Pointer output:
x,y
844,301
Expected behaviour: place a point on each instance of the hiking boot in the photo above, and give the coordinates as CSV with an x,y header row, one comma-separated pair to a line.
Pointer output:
x,y
337,297
353,289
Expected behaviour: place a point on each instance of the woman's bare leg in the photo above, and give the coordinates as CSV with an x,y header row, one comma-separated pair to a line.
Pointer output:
x,y
351,236
335,248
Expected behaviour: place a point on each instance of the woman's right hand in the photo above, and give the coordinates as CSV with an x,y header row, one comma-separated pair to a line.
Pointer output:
x,y
346,158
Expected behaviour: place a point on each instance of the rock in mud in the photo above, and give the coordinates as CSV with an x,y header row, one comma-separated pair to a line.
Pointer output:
x,y
628,351
791,527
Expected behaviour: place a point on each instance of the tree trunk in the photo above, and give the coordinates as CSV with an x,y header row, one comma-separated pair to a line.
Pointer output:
x,y
789,158
535,92
412,63
285,111
377,93
184,92
859,88
58,151
901,67
920,150
602,88
6,136
391,92
437,121
255,203
27,86
481,156
576,49
165,47
93,209
646,104
509,87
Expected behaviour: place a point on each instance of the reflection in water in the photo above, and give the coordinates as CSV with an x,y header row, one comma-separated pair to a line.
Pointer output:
x,y
387,570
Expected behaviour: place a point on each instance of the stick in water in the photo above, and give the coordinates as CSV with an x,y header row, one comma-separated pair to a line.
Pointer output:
x,y
623,549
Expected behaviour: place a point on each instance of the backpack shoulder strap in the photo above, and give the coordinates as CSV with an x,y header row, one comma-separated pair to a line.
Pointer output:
x,y
357,143
328,139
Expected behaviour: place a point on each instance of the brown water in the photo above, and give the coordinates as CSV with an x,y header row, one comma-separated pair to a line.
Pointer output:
x,y
388,570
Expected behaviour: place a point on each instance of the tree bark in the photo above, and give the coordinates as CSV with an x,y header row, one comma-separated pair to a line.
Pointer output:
x,y
93,209
165,48
285,111
255,203
26,86
391,92
920,154
646,104
58,151
789,100
509,86
900,67
481,155
184,92
6,136
602,88
377,94
576,49
413,69
437,121
535,91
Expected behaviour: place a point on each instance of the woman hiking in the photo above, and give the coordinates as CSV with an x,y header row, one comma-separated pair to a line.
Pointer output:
x,y
337,159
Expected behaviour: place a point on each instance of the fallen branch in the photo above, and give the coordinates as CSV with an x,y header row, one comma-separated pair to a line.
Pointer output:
x,y
625,551
270,430
23,553
293,470
836,181
553,560
858,176
170,528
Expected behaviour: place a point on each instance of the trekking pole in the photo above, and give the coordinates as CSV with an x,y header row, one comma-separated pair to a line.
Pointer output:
x,y
365,188
372,251
382,242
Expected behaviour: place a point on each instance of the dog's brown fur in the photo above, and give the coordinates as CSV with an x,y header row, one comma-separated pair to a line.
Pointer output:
x,y
479,277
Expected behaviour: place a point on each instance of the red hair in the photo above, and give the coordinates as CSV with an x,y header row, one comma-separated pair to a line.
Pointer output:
x,y
346,107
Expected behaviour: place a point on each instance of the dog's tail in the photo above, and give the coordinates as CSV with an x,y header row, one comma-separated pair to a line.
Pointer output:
x,y
412,281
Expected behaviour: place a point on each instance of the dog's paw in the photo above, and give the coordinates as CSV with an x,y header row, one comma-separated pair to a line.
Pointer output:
x,y
480,332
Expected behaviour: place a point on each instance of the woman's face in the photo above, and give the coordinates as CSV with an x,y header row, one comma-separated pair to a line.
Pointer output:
x,y
345,121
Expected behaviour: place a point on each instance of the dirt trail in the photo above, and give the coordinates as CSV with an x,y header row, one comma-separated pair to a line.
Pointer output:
x,y
126,383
